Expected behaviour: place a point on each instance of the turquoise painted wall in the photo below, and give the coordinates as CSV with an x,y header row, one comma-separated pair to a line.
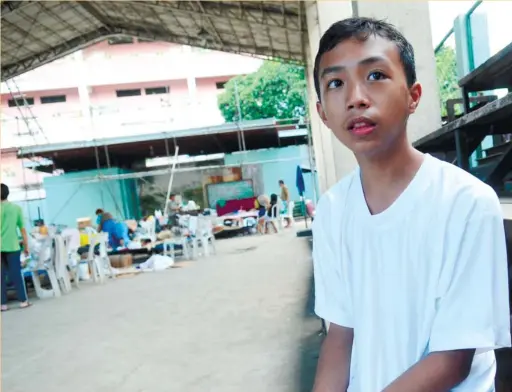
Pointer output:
x,y
284,169
68,199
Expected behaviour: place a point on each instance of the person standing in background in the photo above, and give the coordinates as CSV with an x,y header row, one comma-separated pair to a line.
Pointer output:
x,y
12,221
285,197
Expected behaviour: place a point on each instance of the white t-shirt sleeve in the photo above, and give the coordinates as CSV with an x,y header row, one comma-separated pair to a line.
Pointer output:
x,y
472,303
332,299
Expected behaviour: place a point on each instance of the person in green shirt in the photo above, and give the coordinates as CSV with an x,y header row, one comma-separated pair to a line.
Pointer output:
x,y
12,220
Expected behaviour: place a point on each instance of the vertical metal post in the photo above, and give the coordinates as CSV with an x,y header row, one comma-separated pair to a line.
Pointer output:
x,y
239,117
171,179
461,147
107,156
465,100
100,176
167,153
310,148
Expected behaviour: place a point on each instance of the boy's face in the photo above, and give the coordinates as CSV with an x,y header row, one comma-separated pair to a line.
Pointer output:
x,y
365,99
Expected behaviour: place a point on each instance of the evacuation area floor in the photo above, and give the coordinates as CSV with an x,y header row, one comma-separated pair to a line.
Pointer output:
x,y
240,320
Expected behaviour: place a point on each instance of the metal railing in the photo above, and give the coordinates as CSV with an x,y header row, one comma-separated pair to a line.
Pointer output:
x,y
446,63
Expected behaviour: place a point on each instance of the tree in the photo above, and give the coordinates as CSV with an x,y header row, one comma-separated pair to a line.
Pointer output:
x,y
447,80
274,90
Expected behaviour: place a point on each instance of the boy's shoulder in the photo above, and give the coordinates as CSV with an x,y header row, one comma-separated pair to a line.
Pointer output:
x,y
461,189
449,186
332,202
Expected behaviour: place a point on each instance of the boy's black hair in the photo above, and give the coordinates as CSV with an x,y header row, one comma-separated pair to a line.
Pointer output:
x,y
5,192
99,211
361,29
281,182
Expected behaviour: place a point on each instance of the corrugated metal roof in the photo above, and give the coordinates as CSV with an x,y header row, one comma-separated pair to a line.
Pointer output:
x,y
34,33
218,129
125,151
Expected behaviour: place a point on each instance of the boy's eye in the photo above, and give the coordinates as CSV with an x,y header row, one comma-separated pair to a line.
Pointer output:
x,y
376,75
335,83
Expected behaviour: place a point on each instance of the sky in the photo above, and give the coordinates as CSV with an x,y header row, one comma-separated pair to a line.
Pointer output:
x,y
443,13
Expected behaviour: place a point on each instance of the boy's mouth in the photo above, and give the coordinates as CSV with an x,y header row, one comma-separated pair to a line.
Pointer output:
x,y
361,126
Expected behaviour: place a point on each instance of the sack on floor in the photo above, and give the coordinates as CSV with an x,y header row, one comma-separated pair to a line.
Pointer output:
x,y
157,263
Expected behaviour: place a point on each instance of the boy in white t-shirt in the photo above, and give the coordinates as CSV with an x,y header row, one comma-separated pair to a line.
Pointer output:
x,y
409,251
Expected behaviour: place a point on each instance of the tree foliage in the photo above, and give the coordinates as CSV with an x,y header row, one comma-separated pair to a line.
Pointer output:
x,y
274,90
279,90
446,68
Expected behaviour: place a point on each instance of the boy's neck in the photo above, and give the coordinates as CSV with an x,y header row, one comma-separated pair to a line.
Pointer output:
x,y
395,166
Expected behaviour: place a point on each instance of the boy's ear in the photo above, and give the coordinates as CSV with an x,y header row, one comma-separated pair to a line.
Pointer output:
x,y
414,97
321,112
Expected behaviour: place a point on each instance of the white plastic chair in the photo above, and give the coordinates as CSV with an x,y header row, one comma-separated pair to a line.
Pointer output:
x,y
204,234
170,247
60,257
98,264
192,225
275,217
45,262
149,227
72,245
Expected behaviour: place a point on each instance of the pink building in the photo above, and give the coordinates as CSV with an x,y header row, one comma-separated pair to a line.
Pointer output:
x,y
118,87
23,183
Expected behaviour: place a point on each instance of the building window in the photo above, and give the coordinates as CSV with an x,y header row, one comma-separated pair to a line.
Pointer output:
x,y
8,171
20,102
120,40
53,99
220,85
157,90
128,93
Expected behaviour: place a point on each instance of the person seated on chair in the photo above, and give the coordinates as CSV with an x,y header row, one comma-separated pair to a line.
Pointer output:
x,y
117,231
149,218
172,210
99,213
271,213
42,229
261,205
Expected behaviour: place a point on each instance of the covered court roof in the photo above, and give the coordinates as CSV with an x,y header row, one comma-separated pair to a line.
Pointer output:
x,y
127,150
34,33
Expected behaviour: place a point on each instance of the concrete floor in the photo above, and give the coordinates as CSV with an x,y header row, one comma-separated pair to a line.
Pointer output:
x,y
239,321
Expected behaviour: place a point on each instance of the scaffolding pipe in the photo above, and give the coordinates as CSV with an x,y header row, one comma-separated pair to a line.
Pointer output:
x,y
239,117
27,123
171,178
311,150
168,170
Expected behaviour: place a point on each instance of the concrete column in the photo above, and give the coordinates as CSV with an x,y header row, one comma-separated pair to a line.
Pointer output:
x,y
413,19
192,89
83,92
332,158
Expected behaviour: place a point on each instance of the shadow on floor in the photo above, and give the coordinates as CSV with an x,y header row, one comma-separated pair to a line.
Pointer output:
x,y
310,346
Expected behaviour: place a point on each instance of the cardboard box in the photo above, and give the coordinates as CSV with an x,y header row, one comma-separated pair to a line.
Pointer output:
x,y
82,223
121,261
